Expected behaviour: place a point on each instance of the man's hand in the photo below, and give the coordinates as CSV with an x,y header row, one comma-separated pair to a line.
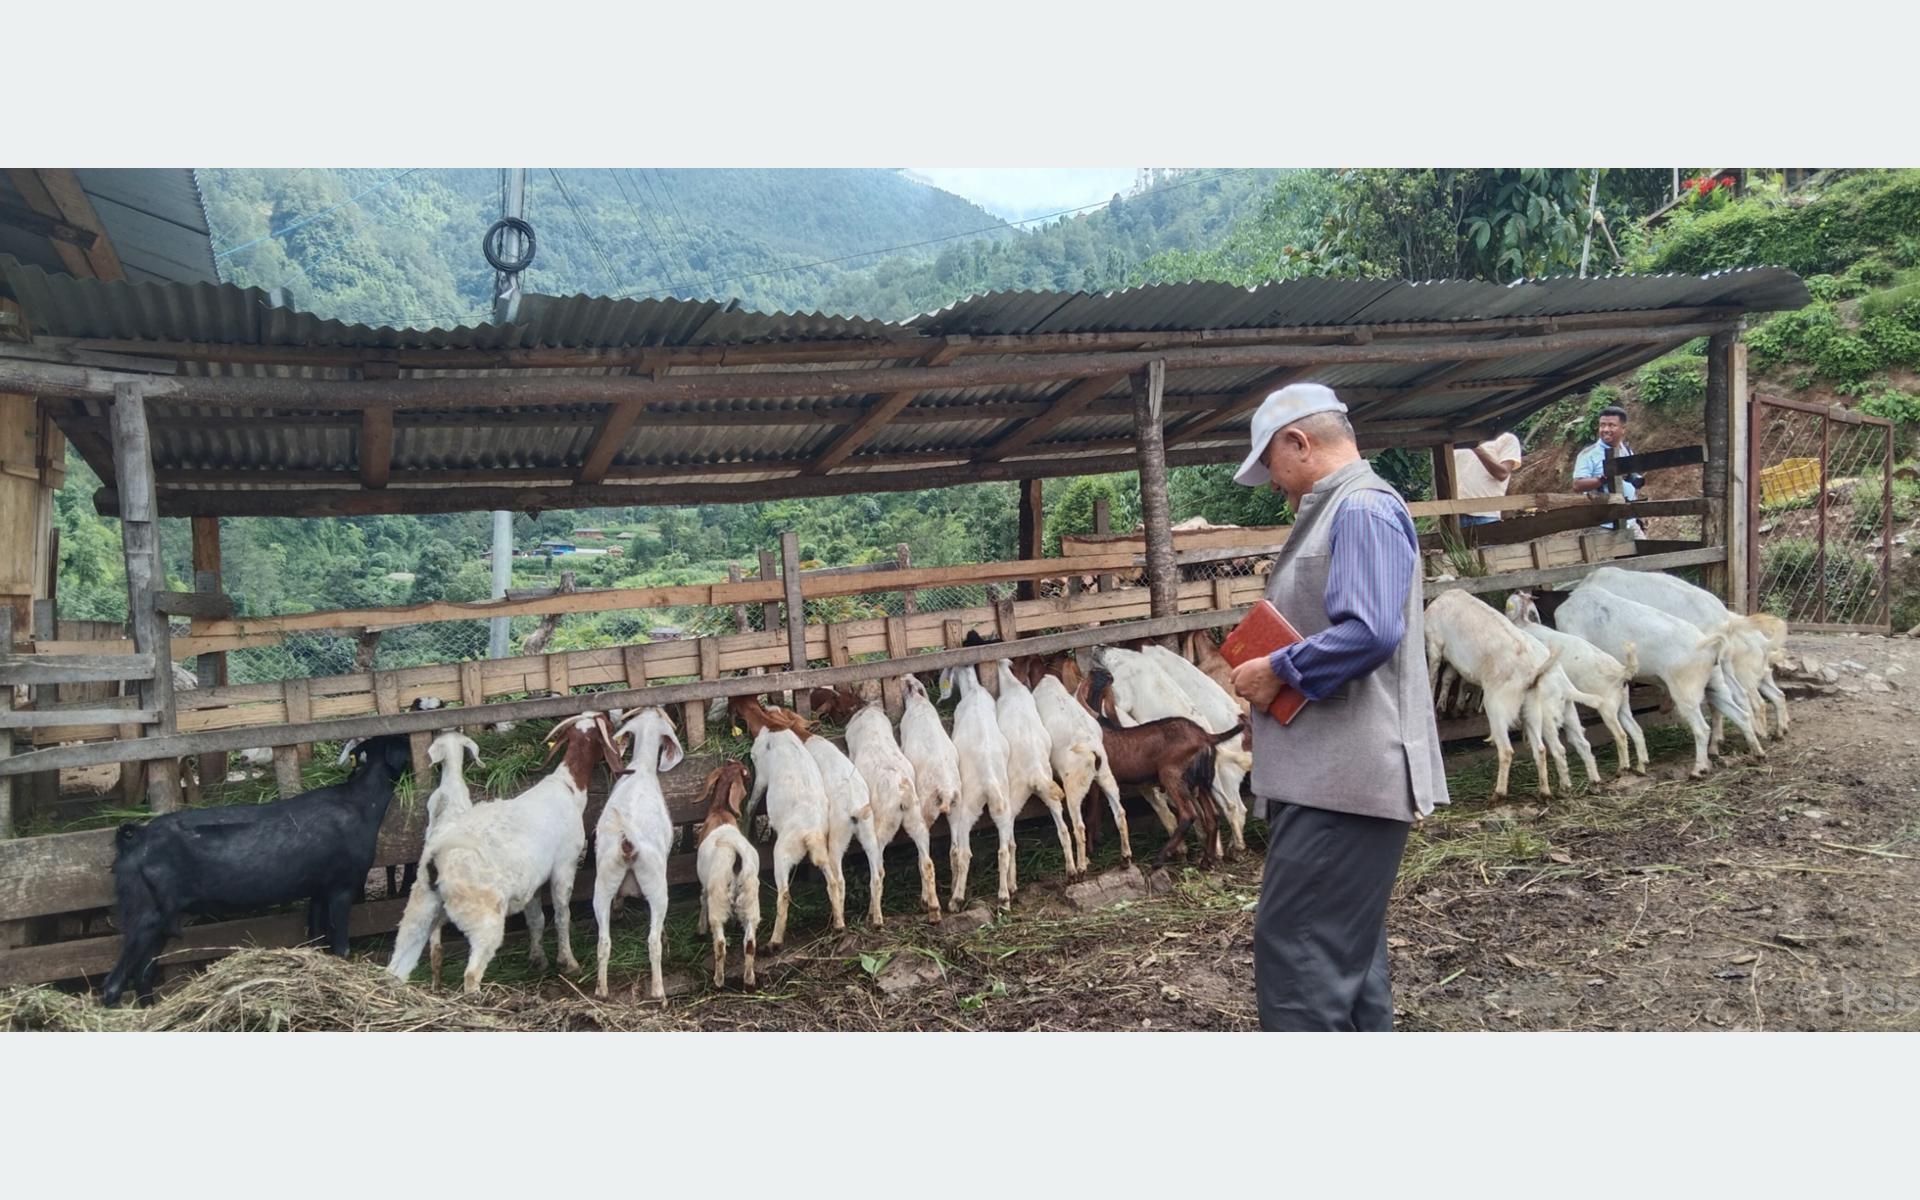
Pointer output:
x,y
1255,681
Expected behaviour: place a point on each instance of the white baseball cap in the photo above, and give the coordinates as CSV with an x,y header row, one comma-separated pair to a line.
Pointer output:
x,y
1276,412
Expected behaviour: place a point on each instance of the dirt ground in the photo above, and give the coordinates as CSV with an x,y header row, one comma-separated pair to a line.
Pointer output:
x,y
1776,894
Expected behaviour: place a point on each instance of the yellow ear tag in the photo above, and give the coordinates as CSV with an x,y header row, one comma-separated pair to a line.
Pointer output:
x,y
736,731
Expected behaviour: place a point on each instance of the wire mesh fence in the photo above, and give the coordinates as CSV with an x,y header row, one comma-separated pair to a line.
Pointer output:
x,y
1822,528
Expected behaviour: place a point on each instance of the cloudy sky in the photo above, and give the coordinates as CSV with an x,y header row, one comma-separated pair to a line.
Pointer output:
x,y
1020,192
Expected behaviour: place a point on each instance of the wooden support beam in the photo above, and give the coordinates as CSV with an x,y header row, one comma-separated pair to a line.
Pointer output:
x,y
1739,449
1163,577
1032,522
903,561
62,188
1068,405
1433,381
376,447
1602,366
882,410
210,667
1239,406
140,539
610,434
1446,486
892,695
7,789
796,616
1718,450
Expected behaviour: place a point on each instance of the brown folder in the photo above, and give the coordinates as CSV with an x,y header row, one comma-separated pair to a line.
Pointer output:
x,y
1259,634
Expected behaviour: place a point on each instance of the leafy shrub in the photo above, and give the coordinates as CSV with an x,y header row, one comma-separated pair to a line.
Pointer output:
x,y
1674,383
1851,220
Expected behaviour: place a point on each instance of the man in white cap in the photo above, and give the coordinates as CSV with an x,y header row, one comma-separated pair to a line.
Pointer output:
x,y
1340,785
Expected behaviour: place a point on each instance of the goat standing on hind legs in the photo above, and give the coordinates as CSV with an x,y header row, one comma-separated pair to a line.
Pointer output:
x,y
633,836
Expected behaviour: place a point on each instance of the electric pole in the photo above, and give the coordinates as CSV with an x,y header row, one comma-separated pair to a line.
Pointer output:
x,y
512,255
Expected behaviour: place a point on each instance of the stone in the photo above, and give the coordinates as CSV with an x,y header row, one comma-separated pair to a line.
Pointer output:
x,y
968,920
1914,632
1876,683
906,972
1829,675
1851,665
1102,891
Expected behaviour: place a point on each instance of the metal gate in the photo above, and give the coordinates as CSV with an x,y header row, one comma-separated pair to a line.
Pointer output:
x,y
1820,516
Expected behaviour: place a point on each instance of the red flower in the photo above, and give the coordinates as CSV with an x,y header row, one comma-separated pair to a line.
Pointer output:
x,y
1726,181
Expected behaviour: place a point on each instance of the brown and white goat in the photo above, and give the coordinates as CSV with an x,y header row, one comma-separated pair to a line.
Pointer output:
x,y
1172,753
729,870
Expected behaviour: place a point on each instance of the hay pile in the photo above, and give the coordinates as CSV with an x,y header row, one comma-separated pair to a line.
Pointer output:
x,y
306,990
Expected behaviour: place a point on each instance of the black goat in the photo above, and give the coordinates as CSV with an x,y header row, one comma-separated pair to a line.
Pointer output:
x,y
318,845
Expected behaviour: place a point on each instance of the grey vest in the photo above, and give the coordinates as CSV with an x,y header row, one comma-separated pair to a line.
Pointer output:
x,y
1371,748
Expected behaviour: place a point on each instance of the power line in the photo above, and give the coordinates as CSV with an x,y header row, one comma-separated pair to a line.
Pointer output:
x,y
659,264
316,216
605,264
685,256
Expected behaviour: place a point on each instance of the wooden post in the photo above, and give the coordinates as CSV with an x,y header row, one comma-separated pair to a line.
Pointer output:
x,y
903,558
140,540
1163,578
6,735
42,791
796,616
1003,621
1032,516
297,694
770,611
1103,524
1714,474
473,691
211,667
1738,530
740,622
694,713
1446,486
892,694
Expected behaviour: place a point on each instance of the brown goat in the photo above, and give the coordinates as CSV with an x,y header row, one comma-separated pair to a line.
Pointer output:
x,y
837,704
724,791
757,717
1204,653
1173,754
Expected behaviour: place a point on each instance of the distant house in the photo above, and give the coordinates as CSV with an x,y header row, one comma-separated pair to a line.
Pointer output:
x,y
589,535
556,546
624,535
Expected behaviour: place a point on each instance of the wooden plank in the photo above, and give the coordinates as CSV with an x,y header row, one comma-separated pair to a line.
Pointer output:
x,y
1739,513
1566,574
769,609
41,718
796,615
740,622
286,771
694,713
376,447
1655,460
7,790
1576,517
1032,530
1446,486
75,668
558,681
898,648
1006,625
69,199
615,424
472,695
205,605
297,695
882,410
1068,405
903,560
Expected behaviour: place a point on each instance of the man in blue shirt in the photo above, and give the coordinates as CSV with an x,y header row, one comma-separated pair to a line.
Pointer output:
x,y
1340,784
1589,469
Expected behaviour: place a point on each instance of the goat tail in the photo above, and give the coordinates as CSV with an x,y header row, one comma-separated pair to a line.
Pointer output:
x,y
1236,731
1632,660
1544,669
1596,703
627,850
1199,776
814,842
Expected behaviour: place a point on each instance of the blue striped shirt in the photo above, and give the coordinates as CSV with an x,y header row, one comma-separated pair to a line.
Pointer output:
x,y
1372,553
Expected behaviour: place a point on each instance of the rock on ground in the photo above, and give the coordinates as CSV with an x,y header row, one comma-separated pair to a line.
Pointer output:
x,y
1100,891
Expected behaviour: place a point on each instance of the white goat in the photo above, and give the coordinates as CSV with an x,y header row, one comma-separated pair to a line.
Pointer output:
x,y
1030,755
1080,760
1488,651
891,788
924,740
1594,671
850,816
1750,643
450,801
984,786
494,860
1669,650
1220,713
633,837
1143,692
799,812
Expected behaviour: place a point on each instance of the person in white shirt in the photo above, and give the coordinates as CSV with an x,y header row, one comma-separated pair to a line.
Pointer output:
x,y
1484,471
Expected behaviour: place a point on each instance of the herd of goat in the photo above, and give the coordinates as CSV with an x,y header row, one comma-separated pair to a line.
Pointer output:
x,y
1023,727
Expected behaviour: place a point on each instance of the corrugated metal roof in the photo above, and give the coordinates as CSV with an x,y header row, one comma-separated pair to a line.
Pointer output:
x,y
742,441
61,306
153,218
1295,302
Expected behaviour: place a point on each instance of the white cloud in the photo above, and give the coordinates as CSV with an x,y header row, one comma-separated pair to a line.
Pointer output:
x,y
1020,192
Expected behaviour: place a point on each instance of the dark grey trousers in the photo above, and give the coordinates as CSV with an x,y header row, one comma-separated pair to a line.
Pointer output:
x,y
1320,933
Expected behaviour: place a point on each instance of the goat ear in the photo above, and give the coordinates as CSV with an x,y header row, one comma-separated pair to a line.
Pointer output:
x,y
471,749
346,751
436,751
670,751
